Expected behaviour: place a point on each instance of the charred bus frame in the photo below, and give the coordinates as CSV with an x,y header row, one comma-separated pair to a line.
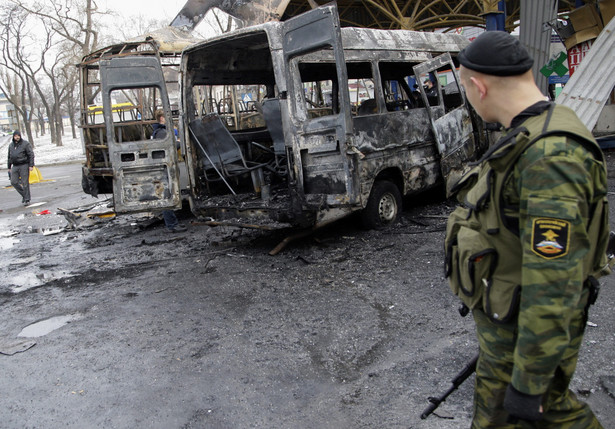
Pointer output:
x,y
320,121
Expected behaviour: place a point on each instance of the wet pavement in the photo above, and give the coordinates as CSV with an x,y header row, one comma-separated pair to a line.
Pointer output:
x,y
123,325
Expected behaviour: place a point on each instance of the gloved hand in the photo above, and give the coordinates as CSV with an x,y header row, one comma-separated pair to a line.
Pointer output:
x,y
523,406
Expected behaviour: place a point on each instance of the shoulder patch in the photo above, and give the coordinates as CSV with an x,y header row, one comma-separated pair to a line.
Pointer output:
x,y
550,237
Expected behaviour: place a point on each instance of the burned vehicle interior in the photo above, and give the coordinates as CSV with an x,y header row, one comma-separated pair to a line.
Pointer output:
x,y
226,113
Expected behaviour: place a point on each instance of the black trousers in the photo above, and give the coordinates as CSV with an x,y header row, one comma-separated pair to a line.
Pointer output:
x,y
20,179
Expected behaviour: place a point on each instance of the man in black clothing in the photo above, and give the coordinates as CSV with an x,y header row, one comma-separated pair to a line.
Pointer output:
x,y
160,128
160,132
20,163
430,89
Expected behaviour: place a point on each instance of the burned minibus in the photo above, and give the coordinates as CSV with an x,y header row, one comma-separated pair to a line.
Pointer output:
x,y
130,110
302,122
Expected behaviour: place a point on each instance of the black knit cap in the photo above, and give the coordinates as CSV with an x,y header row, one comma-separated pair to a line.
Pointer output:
x,y
16,133
496,53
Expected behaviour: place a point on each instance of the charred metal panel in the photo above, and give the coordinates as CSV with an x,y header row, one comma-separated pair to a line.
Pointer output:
x,y
324,173
409,56
145,184
422,176
145,171
313,30
401,40
450,127
130,72
392,130
453,129
418,166
321,142
454,164
327,136
402,141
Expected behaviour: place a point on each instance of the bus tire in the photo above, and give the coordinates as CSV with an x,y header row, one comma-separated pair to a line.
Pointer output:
x,y
383,205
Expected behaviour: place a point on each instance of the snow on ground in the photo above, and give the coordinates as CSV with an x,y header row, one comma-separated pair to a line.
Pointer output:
x,y
46,153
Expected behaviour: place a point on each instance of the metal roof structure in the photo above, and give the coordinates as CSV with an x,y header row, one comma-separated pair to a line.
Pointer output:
x,y
591,84
418,14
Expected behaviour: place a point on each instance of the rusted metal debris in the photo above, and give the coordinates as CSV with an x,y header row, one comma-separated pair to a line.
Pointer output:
x,y
277,249
251,12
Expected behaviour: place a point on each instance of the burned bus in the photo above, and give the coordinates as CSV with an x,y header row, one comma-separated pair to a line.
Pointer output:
x,y
299,122
131,110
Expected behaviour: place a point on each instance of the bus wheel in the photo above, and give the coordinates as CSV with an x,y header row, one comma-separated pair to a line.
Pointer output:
x,y
383,205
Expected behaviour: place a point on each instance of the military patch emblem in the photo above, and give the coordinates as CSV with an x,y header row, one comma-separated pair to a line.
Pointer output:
x,y
550,237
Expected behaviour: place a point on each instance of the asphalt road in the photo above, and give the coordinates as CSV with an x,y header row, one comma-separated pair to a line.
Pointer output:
x,y
123,325
61,187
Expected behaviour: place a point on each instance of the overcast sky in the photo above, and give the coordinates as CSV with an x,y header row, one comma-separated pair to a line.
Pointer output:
x,y
157,9
163,11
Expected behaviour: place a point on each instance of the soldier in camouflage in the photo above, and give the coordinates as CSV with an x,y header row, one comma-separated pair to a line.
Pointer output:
x,y
527,242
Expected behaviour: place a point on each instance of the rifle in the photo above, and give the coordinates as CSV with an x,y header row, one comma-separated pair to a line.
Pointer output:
x,y
471,366
457,381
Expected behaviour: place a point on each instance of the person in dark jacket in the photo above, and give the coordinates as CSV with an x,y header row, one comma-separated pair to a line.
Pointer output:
x,y
160,132
20,163
159,128
430,89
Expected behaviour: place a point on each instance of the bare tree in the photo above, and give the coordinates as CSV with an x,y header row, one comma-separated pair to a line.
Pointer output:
x,y
67,32
40,118
69,79
136,26
16,78
50,68
32,65
72,20
12,87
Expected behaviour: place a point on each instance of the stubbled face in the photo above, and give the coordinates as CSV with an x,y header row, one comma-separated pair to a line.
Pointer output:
x,y
16,137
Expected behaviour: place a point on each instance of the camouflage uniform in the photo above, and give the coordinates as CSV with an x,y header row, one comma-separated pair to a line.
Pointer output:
x,y
531,230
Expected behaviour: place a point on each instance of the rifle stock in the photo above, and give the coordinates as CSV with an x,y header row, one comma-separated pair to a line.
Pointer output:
x,y
466,372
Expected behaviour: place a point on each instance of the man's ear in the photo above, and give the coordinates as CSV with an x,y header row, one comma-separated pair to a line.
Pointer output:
x,y
480,86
